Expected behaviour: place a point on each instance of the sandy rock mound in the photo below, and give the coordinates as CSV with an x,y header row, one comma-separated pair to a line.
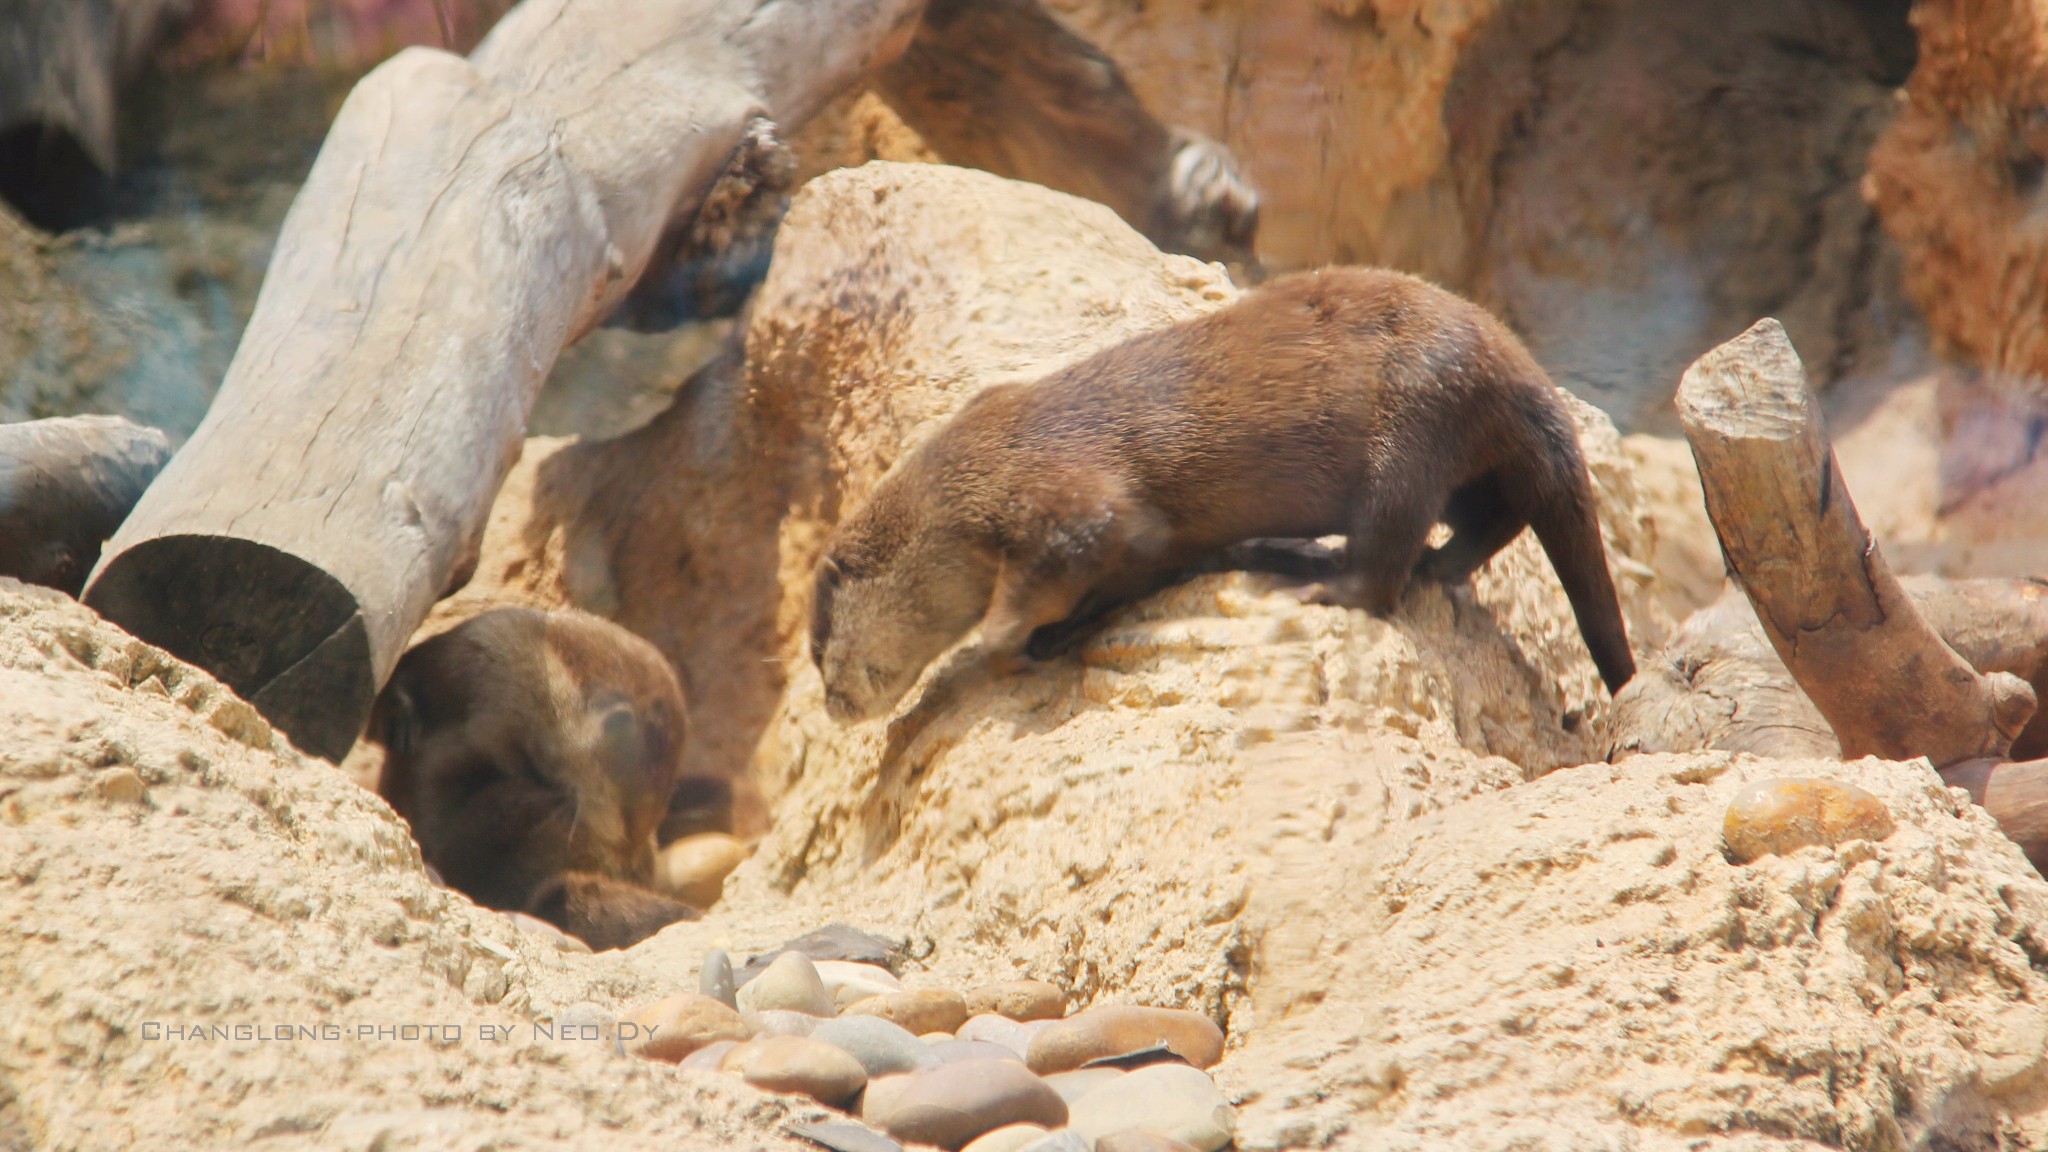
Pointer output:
x,y
171,865
1335,834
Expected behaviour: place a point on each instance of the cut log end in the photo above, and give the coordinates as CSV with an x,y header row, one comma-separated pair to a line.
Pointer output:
x,y
1752,387
286,636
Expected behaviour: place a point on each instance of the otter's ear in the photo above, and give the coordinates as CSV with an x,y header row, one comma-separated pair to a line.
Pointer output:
x,y
394,720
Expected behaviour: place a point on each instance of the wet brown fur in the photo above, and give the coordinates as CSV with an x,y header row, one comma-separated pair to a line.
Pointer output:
x,y
534,755
1350,401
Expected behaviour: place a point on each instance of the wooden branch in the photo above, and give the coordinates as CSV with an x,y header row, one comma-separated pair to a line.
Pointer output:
x,y
1834,613
464,221
1005,86
65,485
2015,793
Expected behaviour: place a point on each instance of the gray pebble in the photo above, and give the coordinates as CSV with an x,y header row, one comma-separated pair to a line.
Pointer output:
x,y
715,980
881,1046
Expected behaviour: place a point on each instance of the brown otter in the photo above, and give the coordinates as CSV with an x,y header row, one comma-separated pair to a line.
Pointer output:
x,y
1350,401
533,753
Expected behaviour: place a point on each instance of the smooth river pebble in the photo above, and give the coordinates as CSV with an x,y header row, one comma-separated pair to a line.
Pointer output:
x,y
790,984
681,1024
1008,1138
1001,1030
1774,817
927,1010
1121,1029
1164,1099
1017,999
881,1047
693,869
797,1064
953,1103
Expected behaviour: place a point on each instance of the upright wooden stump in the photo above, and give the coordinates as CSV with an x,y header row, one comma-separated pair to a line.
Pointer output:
x,y
1882,677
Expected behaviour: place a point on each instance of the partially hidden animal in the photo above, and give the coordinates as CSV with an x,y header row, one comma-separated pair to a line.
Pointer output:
x,y
1351,401
534,754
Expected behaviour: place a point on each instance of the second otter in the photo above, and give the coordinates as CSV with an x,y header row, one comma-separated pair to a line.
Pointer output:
x,y
1351,401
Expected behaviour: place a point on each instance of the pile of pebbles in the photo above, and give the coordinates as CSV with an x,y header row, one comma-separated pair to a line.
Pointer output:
x,y
997,1068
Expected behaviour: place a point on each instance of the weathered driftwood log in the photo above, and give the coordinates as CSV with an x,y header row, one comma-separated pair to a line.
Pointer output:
x,y
1884,679
1005,86
1718,683
65,485
2015,793
464,221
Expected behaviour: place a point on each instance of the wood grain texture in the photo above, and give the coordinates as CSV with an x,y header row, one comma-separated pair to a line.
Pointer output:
x,y
1877,671
464,221
65,485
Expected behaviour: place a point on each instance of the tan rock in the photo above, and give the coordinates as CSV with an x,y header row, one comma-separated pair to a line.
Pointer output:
x,y
1171,1100
709,1057
1139,1140
781,1022
797,1064
1120,1029
1777,816
1073,1085
850,983
921,1011
956,1051
953,1104
675,1026
789,984
1018,999
1008,1138
999,1030
693,869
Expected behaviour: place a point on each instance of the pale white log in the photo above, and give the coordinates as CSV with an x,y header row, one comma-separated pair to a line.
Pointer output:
x,y
464,221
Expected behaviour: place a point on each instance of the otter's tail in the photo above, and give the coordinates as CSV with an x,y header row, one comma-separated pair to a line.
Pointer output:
x,y
1562,513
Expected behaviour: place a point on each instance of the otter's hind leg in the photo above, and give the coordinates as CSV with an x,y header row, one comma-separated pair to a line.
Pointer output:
x,y
1484,518
1389,530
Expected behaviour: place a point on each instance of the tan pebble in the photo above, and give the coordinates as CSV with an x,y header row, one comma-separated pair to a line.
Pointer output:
x,y
676,1026
797,1064
1081,1081
119,786
791,984
952,1104
927,1010
710,1056
954,1051
850,983
1171,1100
1008,1138
990,1029
778,1022
1018,999
693,869
1774,817
1121,1029
1139,1140
933,1037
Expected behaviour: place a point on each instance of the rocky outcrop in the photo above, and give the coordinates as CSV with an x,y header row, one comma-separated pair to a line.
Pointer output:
x,y
1370,850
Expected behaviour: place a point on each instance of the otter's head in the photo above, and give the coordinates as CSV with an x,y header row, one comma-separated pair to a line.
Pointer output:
x,y
899,584
521,745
